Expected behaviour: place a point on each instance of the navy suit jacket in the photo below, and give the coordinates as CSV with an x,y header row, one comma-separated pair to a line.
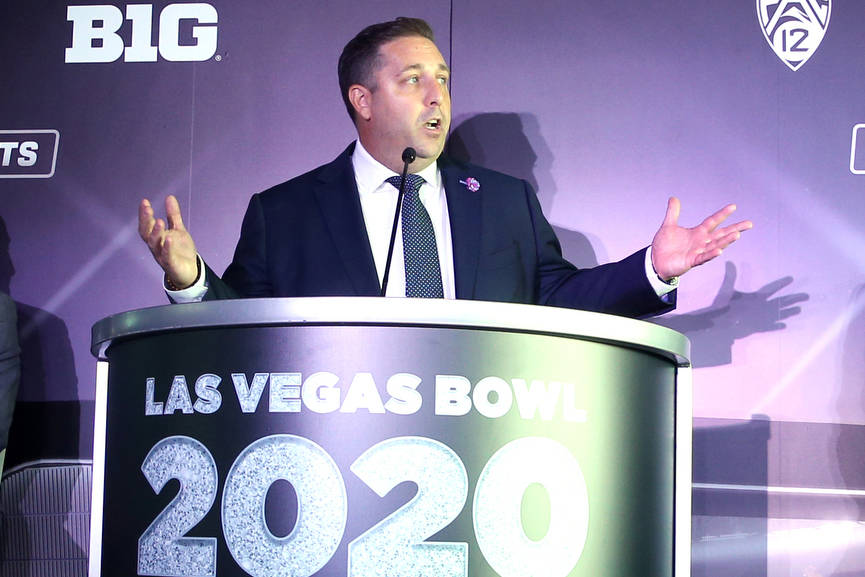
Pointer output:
x,y
306,237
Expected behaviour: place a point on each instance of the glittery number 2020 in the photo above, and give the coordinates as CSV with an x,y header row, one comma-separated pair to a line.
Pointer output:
x,y
397,542
162,548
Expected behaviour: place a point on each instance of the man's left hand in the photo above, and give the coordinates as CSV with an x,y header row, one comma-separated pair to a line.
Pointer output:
x,y
676,249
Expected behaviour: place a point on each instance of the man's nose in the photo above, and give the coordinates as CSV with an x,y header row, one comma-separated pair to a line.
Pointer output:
x,y
436,93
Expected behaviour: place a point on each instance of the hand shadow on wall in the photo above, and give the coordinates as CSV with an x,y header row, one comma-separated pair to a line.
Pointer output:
x,y
42,429
732,316
512,143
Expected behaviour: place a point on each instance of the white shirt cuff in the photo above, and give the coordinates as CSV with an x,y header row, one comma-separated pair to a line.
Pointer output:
x,y
191,294
661,287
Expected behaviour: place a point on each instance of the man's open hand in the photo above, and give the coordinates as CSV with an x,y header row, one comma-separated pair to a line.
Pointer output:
x,y
171,246
676,249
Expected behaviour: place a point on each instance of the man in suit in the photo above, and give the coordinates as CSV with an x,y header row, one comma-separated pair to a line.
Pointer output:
x,y
326,232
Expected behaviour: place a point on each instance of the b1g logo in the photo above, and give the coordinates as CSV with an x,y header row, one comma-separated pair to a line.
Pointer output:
x,y
95,35
794,28
28,153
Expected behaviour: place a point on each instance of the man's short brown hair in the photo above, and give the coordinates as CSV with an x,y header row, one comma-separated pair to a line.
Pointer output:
x,y
359,58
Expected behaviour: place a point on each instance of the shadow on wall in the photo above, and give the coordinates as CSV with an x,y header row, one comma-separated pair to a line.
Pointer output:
x,y
734,315
512,143
43,429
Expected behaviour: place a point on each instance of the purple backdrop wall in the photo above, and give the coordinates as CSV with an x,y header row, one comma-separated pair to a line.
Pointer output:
x,y
607,107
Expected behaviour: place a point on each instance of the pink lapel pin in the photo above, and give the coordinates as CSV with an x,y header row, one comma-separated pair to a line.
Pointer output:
x,y
471,183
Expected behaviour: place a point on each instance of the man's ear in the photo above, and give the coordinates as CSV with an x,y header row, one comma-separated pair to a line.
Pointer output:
x,y
361,100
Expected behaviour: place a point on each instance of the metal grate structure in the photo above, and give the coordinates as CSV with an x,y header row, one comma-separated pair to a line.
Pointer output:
x,y
45,519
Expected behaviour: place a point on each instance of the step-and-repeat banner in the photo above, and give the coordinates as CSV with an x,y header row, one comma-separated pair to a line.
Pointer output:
x,y
607,108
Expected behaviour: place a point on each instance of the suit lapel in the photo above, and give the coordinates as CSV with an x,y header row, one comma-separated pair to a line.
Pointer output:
x,y
339,202
464,209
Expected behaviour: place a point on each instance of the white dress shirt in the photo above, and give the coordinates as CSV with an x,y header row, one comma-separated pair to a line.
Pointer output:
x,y
378,203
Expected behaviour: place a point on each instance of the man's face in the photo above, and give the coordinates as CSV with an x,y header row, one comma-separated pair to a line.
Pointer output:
x,y
409,106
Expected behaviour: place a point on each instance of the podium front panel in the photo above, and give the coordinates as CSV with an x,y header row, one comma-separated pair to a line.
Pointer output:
x,y
396,449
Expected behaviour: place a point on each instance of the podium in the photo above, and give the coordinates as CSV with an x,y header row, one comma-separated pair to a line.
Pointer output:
x,y
368,437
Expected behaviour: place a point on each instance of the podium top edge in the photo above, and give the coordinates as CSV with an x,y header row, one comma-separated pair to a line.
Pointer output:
x,y
389,312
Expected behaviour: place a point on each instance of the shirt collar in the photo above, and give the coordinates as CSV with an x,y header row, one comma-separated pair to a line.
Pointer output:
x,y
371,174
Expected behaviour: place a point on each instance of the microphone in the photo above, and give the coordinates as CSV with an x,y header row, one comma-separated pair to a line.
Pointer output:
x,y
408,156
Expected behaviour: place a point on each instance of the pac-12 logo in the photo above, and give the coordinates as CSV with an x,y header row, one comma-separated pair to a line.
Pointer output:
x,y
186,33
794,28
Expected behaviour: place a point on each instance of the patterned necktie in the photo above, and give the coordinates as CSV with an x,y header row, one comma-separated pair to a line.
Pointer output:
x,y
423,275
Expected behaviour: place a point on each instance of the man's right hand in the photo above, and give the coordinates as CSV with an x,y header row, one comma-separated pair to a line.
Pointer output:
x,y
172,246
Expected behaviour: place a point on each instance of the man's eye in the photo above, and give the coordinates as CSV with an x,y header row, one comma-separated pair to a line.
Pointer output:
x,y
443,81
412,79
